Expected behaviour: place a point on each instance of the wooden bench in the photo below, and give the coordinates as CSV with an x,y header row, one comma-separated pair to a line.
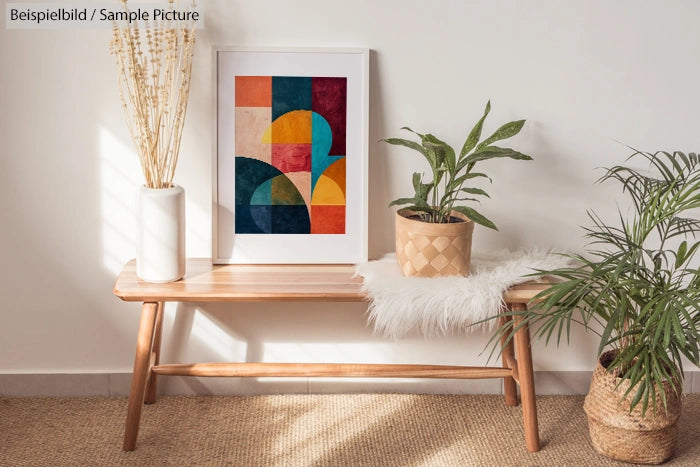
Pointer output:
x,y
205,282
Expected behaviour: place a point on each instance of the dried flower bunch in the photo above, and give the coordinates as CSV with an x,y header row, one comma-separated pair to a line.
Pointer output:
x,y
154,83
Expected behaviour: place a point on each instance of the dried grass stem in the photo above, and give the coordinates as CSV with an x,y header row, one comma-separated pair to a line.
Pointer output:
x,y
154,85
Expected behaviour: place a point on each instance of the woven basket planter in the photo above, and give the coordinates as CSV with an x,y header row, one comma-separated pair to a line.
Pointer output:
x,y
627,436
427,250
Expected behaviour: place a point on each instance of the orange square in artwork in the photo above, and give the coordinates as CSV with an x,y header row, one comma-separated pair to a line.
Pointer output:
x,y
253,91
327,219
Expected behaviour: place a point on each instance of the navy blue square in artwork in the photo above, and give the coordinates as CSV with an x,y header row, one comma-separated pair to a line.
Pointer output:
x,y
262,216
290,219
290,93
252,219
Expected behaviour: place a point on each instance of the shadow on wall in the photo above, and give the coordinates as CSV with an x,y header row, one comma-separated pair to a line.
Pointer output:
x,y
380,217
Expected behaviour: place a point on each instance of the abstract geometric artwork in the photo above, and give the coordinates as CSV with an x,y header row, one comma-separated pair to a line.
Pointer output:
x,y
290,178
290,155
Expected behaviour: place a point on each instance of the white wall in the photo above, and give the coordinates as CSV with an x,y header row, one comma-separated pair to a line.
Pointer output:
x,y
583,74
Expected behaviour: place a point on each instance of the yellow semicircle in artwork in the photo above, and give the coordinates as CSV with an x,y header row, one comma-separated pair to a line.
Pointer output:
x,y
336,172
327,193
291,128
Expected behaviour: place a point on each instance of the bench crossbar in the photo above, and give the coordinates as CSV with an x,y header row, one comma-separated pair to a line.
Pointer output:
x,y
359,370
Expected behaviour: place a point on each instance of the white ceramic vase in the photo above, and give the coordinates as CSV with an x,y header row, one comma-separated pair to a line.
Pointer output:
x,y
160,238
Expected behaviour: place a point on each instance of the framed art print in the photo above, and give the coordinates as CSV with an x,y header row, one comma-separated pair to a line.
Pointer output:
x,y
290,167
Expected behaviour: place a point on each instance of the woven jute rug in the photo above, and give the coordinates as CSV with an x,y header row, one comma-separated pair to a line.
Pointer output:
x,y
310,430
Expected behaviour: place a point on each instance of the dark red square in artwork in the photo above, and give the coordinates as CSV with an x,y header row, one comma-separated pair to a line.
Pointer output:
x,y
329,98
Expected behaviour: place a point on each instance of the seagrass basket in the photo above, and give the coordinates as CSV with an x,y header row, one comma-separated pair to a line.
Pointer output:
x,y
427,250
627,436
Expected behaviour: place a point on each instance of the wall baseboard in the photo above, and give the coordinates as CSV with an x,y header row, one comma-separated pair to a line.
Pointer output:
x,y
117,384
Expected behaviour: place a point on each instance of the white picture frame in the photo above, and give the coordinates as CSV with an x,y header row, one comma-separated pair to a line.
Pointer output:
x,y
230,246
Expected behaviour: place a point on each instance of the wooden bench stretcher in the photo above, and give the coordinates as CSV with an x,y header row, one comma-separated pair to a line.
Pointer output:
x,y
205,282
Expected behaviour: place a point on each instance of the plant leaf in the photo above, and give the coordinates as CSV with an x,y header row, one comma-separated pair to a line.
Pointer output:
x,y
444,151
457,182
415,146
493,152
414,132
475,216
506,131
421,189
475,134
405,142
417,176
413,201
475,191
680,256
437,152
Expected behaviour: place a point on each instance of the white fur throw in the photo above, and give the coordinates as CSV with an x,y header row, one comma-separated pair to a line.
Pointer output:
x,y
400,305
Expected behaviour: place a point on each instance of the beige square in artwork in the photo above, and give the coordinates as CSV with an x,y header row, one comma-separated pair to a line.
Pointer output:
x,y
251,123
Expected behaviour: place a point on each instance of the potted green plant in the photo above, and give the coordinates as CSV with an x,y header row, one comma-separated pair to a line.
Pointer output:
x,y
434,231
638,288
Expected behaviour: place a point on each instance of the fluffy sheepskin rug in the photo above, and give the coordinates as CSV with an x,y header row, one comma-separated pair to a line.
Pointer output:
x,y
400,305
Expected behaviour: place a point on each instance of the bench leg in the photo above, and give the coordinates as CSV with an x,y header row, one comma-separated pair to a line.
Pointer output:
x,y
152,388
527,384
510,390
139,379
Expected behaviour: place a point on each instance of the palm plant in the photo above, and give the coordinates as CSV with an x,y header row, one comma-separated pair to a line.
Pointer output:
x,y
436,199
638,289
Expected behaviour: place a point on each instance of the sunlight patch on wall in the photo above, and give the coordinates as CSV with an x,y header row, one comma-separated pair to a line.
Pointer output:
x,y
120,176
211,335
198,235
350,352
